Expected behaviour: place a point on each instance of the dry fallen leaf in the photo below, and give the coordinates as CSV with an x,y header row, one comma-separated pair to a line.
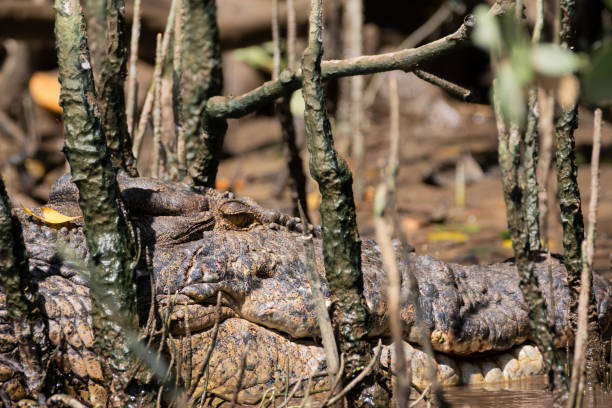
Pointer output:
x,y
50,216
45,90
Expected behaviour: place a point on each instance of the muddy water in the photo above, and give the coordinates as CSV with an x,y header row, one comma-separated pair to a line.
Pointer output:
x,y
525,393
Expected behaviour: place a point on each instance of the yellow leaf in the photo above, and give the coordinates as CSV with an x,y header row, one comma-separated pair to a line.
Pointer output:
x,y
507,243
447,236
50,216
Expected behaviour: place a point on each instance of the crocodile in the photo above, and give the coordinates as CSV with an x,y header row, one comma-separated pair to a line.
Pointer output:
x,y
218,258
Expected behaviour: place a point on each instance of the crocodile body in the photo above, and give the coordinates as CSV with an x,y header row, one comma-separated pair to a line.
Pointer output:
x,y
203,242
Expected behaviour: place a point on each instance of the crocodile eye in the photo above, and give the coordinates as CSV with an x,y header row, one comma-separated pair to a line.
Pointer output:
x,y
237,213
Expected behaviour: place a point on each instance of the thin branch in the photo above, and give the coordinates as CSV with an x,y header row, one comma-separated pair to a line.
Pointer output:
x,y
275,41
202,78
132,69
157,126
323,320
291,30
362,375
353,18
579,365
546,129
177,58
383,206
213,342
414,39
452,88
289,81
143,121
297,178
111,97
240,378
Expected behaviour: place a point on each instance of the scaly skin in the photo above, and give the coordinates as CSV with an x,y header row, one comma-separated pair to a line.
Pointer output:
x,y
204,242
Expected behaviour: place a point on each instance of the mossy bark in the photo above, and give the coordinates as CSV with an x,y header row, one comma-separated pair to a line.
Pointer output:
x,y
201,78
106,230
532,211
341,243
517,215
109,60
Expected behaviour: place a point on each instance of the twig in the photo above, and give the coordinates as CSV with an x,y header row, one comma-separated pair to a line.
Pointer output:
x,y
213,342
157,127
240,378
291,29
362,375
149,99
111,96
546,106
414,39
189,359
448,86
297,178
383,205
335,382
314,280
132,69
308,386
202,78
404,60
176,90
292,392
276,41
423,395
588,244
353,19
144,119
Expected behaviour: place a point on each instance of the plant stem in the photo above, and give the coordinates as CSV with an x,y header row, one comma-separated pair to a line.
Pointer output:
x,y
289,81
383,208
341,243
201,79
111,98
132,70
297,178
514,197
586,279
107,234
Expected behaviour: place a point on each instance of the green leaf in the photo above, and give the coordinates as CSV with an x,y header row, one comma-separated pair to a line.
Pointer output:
x,y
511,96
553,60
521,65
297,104
608,3
487,33
597,80
256,56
